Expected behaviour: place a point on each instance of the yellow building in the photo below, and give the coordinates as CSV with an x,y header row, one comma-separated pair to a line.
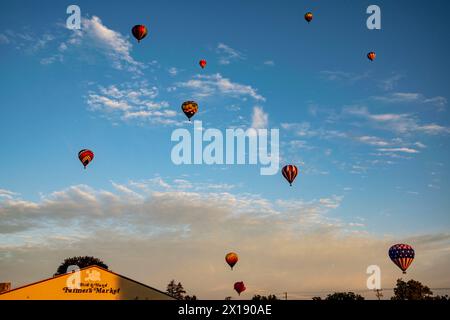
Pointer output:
x,y
91,283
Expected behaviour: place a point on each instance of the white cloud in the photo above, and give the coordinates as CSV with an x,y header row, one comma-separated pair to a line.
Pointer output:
x,y
4,39
260,119
341,76
412,97
131,101
208,85
173,71
270,63
138,224
228,54
390,83
398,122
405,150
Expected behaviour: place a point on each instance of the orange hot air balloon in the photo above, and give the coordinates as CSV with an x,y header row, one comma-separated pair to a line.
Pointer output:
x,y
189,108
371,56
308,16
85,156
289,173
139,31
239,287
202,63
231,258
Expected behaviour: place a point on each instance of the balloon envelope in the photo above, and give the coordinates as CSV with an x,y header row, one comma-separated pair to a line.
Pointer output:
x,y
85,156
189,108
139,31
289,173
231,258
371,56
202,63
308,16
402,255
239,287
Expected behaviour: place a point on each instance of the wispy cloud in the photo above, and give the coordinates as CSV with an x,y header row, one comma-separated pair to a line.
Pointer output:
x,y
341,76
227,54
398,122
209,85
260,119
204,225
390,82
412,97
128,102
270,63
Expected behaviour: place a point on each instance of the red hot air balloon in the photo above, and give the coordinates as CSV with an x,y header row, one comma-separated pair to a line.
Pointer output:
x,y
402,255
371,56
289,173
231,258
139,31
85,156
308,16
239,287
202,63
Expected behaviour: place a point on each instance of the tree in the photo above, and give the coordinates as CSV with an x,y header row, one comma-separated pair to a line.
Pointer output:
x,y
228,298
342,296
177,291
411,290
81,262
270,297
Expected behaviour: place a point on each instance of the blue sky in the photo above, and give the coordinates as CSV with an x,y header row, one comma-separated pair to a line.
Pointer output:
x,y
370,138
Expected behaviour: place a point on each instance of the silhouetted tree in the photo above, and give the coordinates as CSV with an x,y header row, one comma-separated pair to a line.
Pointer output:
x,y
270,297
228,298
342,296
81,262
411,290
187,297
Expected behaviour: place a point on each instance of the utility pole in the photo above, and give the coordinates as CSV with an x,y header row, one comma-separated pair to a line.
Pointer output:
x,y
379,293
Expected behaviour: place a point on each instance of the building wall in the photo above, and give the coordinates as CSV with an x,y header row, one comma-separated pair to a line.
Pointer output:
x,y
92,283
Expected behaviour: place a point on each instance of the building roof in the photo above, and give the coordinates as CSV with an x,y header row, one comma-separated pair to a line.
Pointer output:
x,y
94,283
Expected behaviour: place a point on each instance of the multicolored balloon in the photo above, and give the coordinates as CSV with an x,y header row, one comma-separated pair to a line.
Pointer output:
x,y
371,56
239,287
308,16
231,258
202,63
289,173
85,156
402,255
139,31
189,108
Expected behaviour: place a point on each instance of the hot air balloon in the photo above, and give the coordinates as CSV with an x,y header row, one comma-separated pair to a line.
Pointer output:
x,y
371,56
202,63
139,31
231,258
85,156
308,16
289,173
402,255
189,108
239,287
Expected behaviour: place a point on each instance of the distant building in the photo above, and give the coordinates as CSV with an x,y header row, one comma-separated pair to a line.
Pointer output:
x,y
91,283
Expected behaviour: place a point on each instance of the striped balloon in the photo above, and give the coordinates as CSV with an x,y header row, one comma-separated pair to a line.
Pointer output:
x,y
402,255
289,173
85,156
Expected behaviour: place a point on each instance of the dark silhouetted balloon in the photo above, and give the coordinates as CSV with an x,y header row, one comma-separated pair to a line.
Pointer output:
x,y
308,16
139,32
239,287
189,108
289,173
402,255
231,258
85,156
202,63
